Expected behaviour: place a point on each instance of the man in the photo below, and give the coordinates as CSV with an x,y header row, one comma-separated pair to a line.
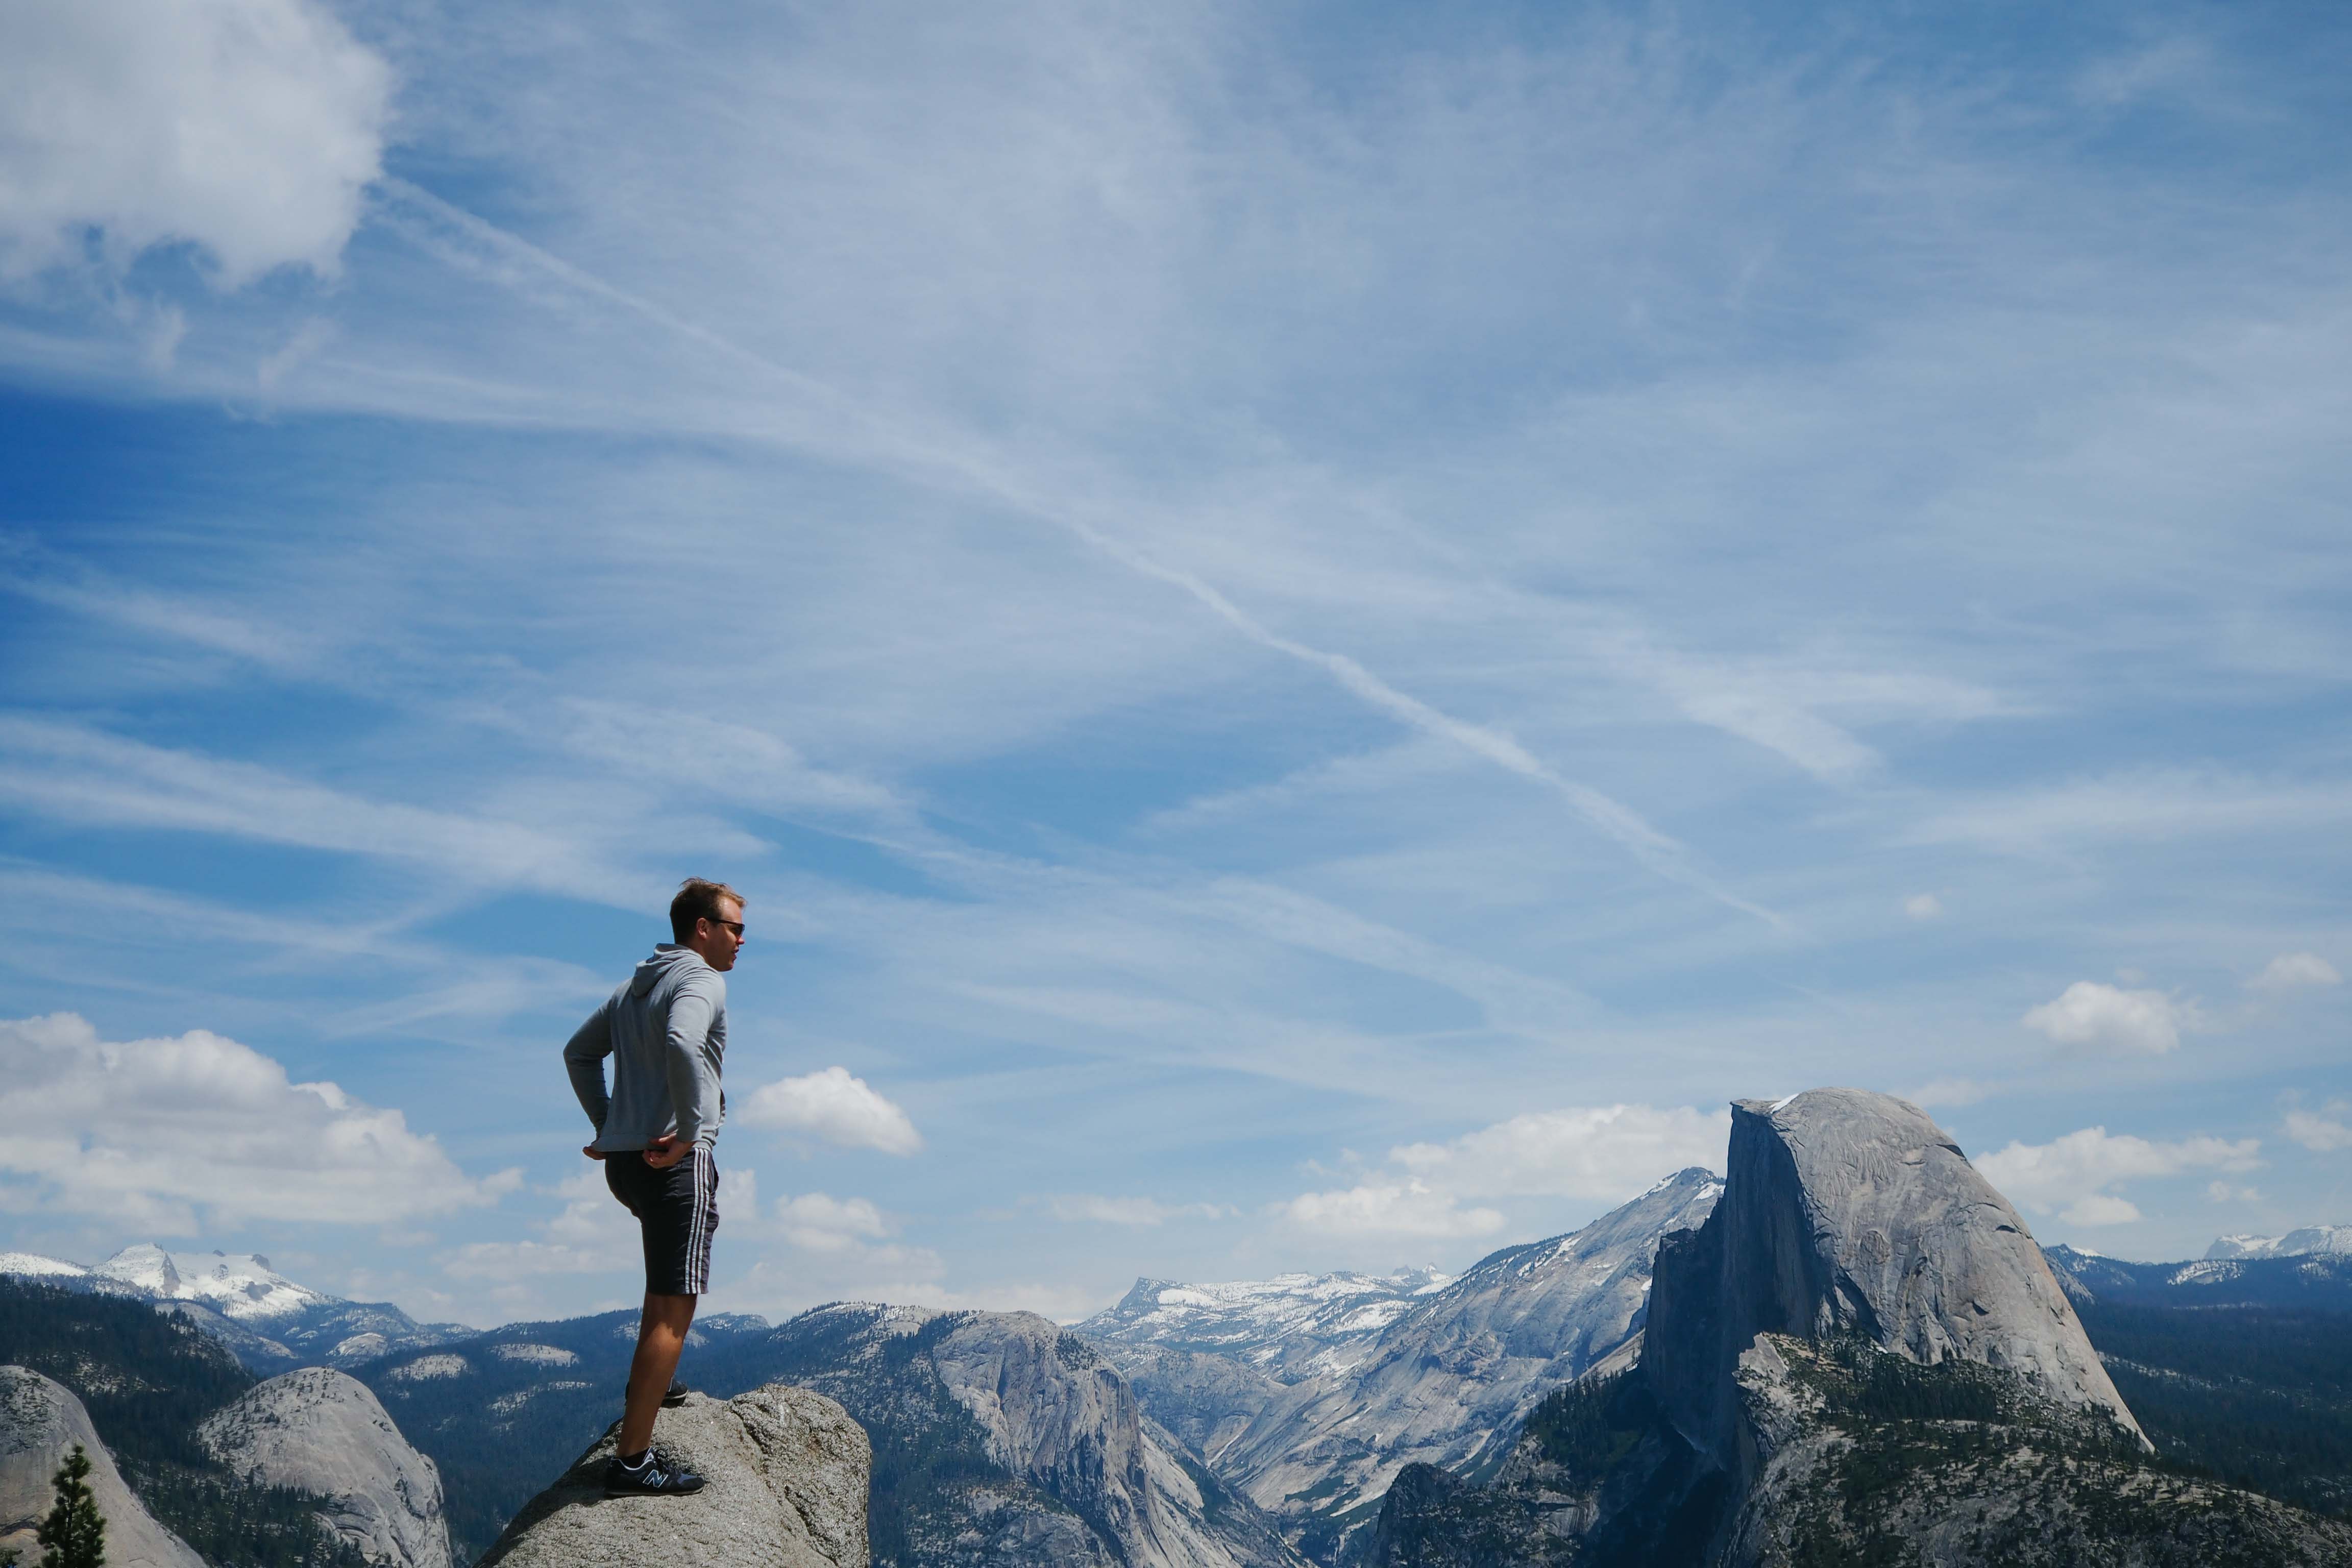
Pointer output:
x,y
665,1030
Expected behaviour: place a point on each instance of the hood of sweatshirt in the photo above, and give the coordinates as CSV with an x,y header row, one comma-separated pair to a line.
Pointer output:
x,y
666,960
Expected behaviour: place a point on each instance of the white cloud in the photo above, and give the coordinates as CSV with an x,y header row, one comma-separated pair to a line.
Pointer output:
x,y
2108,1018
2070,1175
2100,1208
1953,1091
2294,971
2323,1132
1088,1207
1923,906
248,128
2223,1191
831,1105
592,1234
1408,1207
821,1222
156,1133
1604,1153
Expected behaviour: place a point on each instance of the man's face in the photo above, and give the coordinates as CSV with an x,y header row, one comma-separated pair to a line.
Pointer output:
x,y
718,941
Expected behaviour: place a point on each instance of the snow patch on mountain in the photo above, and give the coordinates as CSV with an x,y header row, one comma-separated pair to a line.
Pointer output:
x,y
2327,1239
430,1366
1291,1326
1458,1369
236,1285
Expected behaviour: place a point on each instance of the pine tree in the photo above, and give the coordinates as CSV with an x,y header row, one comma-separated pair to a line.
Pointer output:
x,y
75,1532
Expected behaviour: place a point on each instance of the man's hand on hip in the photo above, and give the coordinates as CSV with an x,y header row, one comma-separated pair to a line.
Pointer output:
x,y
666,1150
592,1152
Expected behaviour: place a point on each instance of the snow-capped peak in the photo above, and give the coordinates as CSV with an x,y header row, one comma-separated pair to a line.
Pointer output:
x,y
1290,1320
2301,1243
33,1265
234,1284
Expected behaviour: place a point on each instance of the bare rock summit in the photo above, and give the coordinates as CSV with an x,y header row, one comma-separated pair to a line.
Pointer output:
x,y
40,1422
1851,1213
788,1473
318,1430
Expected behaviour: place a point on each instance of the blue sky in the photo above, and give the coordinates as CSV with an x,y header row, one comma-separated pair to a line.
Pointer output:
x,y
1313,631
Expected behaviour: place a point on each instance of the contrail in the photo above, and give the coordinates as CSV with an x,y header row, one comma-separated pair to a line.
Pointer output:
x,y
968,470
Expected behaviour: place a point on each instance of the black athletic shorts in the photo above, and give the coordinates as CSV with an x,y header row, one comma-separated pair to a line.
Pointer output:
x,y
678,1209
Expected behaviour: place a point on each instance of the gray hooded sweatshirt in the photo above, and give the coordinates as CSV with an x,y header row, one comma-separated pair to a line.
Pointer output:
x,y
665,1030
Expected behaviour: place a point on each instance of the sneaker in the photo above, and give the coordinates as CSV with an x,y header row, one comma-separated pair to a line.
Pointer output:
x,y
676,1396
659,1475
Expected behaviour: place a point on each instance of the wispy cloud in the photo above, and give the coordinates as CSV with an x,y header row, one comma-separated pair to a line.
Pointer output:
x,y
1093,1208
2297,972
81,774
1230,598
2071,1175
992,474
2134,806
1390,1208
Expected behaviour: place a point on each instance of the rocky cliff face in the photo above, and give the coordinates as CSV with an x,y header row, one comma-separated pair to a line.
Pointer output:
x,y
1860,1358
1207,1401
319,1431
788,1474
1853,1213
1002,1440
40,1422
500,1412
1055,1413
1449,1381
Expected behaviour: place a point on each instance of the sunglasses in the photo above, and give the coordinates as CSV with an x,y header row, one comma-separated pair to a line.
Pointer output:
x,y
735,926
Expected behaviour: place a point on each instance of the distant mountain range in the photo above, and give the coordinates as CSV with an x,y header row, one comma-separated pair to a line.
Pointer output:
x,y
1443,1374
197,1461
1291,1326
268,1321
2333,1239
1240,1424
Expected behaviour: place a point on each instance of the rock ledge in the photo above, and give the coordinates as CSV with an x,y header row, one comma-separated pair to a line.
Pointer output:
x,y
788,1470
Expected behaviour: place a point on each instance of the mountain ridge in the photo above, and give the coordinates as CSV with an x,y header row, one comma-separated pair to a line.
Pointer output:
x,y
1860,1357
271,1324
1446,1381
2303,1242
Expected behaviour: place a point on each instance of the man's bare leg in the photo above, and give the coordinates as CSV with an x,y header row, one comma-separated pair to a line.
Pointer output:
x,y
661,1336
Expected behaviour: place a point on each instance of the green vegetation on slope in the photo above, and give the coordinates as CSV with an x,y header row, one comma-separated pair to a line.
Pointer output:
x,y
2259,1396
502,1429
147,1380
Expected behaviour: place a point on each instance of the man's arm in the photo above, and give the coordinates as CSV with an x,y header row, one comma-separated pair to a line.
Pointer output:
x,y
691,1064
584,1058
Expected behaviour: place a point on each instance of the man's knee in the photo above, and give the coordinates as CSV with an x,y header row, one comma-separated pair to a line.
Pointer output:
x,y
669,1311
